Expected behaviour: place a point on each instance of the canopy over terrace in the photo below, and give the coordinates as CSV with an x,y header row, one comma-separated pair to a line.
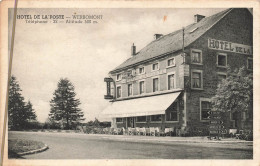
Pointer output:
x,y
141,106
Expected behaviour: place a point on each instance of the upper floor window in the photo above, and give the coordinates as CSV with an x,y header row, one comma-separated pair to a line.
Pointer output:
x,y
196,79
196,56
141,70
170,81
119,92
172,113
222,60
141,118
129,73
205,108
170,62
156,118
118,77
250,63
141,87
155,66
130,89
155,84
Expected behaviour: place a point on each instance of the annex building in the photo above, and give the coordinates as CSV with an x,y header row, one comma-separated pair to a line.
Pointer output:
x,y
169,83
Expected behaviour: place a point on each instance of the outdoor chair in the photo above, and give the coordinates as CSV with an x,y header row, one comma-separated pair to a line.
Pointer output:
x,y
111,131
232,132
169,131
248,135
125,131
152,131
182,132
240,134
131,131
137,131
159,132
117,131
147,131
142,131
107,130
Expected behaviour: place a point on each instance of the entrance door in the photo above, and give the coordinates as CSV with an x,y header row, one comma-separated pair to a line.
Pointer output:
x,y
131,122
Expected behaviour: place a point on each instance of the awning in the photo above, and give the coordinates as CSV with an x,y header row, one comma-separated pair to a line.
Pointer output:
x,y
141,106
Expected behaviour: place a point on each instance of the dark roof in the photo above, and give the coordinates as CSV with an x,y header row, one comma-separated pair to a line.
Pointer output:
x,y
173,42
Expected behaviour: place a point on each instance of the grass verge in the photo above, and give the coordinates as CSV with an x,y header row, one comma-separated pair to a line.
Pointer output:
x,y
18,146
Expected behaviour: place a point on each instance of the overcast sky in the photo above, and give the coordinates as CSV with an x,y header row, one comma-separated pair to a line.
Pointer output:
x,y
85,53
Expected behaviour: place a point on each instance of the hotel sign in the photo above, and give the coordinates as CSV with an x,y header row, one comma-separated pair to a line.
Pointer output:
x,y
230,47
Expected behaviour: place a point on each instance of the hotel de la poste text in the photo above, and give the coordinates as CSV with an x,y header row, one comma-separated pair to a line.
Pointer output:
x,y
169,82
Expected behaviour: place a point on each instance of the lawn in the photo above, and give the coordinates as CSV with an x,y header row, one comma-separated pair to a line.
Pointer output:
x,y
16,146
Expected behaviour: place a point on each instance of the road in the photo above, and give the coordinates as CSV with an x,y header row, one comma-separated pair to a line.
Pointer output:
x,y
83,146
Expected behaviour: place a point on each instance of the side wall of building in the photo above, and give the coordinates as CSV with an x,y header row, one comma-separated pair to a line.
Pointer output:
x,y
236,27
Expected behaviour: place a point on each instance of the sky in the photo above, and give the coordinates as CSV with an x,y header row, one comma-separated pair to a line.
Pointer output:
x,y
84,53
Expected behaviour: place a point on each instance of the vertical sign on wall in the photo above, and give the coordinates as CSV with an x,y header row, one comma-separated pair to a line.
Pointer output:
x,y
216,123
108,81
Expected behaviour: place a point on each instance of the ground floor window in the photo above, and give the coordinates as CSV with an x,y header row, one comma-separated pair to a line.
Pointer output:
x,y
130,89
141,87
172,112
141,119
205,108
155,84
250,63
171,81
156,118
119,91
119,120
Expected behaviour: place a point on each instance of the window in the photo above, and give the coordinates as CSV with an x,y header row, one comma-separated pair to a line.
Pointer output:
x,y
205,107
141,87
118,77
221,76
130,89
155,84
196,82
118,91
155,66
249,63
170,81
119,120
156,118
233,116
172,113
196,56
170,62
129,73
141,70
222,60
141,118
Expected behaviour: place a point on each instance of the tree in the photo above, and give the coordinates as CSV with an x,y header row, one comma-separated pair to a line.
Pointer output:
x,y
19,113
30,111
235,94
64,106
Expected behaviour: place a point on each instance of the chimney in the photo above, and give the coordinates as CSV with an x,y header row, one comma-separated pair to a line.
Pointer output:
x,y
157,36
133,50
198,17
